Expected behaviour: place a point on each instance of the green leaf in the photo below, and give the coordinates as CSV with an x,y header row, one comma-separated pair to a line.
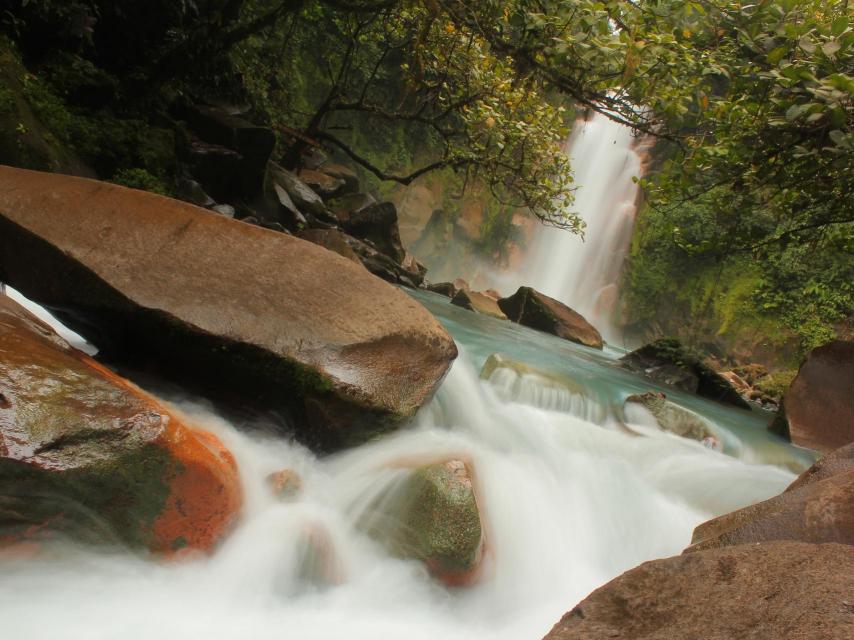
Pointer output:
x,y
839,25
777,54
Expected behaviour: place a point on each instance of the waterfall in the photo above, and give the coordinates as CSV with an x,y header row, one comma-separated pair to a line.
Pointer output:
x,y
585,274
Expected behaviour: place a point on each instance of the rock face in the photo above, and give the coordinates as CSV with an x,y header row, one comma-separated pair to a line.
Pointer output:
x,y
819,405
83,453
149,277
673,418
818,507
478,302
433,516
834,462
667,361
789,590
536,310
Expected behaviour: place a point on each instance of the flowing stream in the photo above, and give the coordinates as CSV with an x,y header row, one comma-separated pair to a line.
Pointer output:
x,y
569,499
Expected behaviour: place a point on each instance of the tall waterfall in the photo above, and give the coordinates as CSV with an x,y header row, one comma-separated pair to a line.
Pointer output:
x,y
584,274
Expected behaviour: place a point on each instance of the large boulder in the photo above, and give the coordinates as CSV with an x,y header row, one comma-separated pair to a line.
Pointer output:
x,y
818,408
538,311
432,515
250,313
789,590
84,453
673,418
818,507
302,196
669,362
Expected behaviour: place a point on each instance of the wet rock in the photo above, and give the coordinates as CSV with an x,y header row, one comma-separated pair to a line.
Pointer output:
x,y
347,205
333,240
85,454
322,184
771,590
191,191
377,223
675,419
433,516
819,405
224,210
478,302
524,383
303,197
254,144
289,213
446,289
286,484
242,311
834,462
217,168
668,362
343,173
538,311
414,269
819,511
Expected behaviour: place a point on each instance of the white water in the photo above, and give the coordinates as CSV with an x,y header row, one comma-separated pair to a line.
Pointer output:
x,y
584,274
567,504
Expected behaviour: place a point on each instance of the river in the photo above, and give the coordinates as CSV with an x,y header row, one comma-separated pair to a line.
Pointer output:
x,y
569,499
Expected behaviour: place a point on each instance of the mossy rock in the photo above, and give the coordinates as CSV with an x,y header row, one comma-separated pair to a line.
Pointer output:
x,y
670,362
432,515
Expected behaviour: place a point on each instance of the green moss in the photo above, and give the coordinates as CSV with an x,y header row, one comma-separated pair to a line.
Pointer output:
x,y
141,179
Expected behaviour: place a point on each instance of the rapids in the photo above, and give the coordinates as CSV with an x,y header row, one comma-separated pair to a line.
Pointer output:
x,y
568,497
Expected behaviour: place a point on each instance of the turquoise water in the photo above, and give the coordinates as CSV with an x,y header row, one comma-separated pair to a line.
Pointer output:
x,y
744,433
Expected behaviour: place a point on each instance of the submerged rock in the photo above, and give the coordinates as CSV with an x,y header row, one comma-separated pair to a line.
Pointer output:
x,y
286,484
433,516
668,362
675,419
538,311
818,507
771,590
521,382
84,453
247,312
818,408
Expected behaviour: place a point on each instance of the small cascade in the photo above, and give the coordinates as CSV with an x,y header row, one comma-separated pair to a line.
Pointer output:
x,y
584,274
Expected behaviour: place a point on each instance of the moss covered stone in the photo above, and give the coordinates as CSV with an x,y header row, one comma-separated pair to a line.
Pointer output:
x,y
432,515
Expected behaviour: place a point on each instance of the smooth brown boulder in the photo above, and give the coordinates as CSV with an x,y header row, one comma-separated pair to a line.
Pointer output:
x,y
779,590
833,463
818,512
478,302
263,316
85,454
819,405
538,311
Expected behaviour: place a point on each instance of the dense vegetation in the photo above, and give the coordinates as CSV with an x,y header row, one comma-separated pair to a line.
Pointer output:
x,y
748,224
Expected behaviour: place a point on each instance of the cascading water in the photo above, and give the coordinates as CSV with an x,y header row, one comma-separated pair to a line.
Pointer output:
x,y
584,274
568,500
